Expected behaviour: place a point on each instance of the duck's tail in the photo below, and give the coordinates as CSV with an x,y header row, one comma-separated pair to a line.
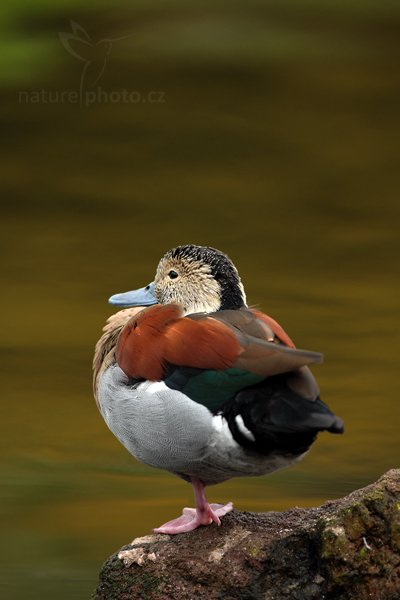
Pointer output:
x,y
273,417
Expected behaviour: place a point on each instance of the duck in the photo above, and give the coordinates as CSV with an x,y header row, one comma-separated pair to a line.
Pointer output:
x,y
192,380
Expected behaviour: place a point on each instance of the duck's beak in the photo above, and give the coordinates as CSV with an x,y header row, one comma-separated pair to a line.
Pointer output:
x,y
144,296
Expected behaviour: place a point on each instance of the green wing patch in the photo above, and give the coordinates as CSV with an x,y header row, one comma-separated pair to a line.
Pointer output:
x,y
211,388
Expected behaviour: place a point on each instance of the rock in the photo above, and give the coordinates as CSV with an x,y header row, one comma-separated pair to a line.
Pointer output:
x,y
346,549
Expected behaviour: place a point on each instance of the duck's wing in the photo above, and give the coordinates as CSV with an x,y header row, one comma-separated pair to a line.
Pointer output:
x,y
161,336
267,349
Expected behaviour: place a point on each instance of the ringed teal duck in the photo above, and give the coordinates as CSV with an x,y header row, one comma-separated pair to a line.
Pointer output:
x,y
192,380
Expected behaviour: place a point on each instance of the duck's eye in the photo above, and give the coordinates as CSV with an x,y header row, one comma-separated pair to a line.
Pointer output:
x,y
172,274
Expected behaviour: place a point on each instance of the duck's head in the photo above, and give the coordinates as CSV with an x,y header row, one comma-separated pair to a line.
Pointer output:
x,y
198,278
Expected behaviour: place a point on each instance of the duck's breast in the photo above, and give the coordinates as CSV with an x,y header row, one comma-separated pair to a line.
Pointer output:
x,y
159,426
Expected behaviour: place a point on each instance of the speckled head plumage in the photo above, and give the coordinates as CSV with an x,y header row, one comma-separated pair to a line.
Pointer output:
x,y
200,279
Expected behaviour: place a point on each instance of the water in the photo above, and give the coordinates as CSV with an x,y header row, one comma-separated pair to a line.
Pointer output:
x,y
284,154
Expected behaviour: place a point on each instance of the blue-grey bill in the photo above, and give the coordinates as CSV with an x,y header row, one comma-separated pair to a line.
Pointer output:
x,y
142,297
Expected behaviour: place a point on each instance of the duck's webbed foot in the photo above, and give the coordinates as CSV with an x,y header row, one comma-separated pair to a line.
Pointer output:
x,y
191,518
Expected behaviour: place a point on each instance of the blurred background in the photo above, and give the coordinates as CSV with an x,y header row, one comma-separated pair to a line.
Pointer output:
x,y
268,129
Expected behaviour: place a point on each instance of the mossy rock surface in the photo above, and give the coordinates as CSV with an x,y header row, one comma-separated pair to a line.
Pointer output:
x,y
347,549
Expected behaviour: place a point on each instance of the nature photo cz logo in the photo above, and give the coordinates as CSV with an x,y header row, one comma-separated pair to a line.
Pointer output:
x,y
94,57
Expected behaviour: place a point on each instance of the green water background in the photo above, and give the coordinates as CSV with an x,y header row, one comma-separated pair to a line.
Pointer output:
x,y
274,137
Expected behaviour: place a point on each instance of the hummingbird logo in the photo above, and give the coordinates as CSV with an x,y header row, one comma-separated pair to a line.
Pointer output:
x,y
93,54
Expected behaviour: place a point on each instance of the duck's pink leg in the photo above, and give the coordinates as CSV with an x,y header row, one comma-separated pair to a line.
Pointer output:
x,y
203,514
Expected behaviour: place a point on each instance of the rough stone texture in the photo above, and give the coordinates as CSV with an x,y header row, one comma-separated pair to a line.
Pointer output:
x,y
347,549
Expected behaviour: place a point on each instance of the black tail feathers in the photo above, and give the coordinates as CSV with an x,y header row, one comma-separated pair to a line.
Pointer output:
x,y
270,417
